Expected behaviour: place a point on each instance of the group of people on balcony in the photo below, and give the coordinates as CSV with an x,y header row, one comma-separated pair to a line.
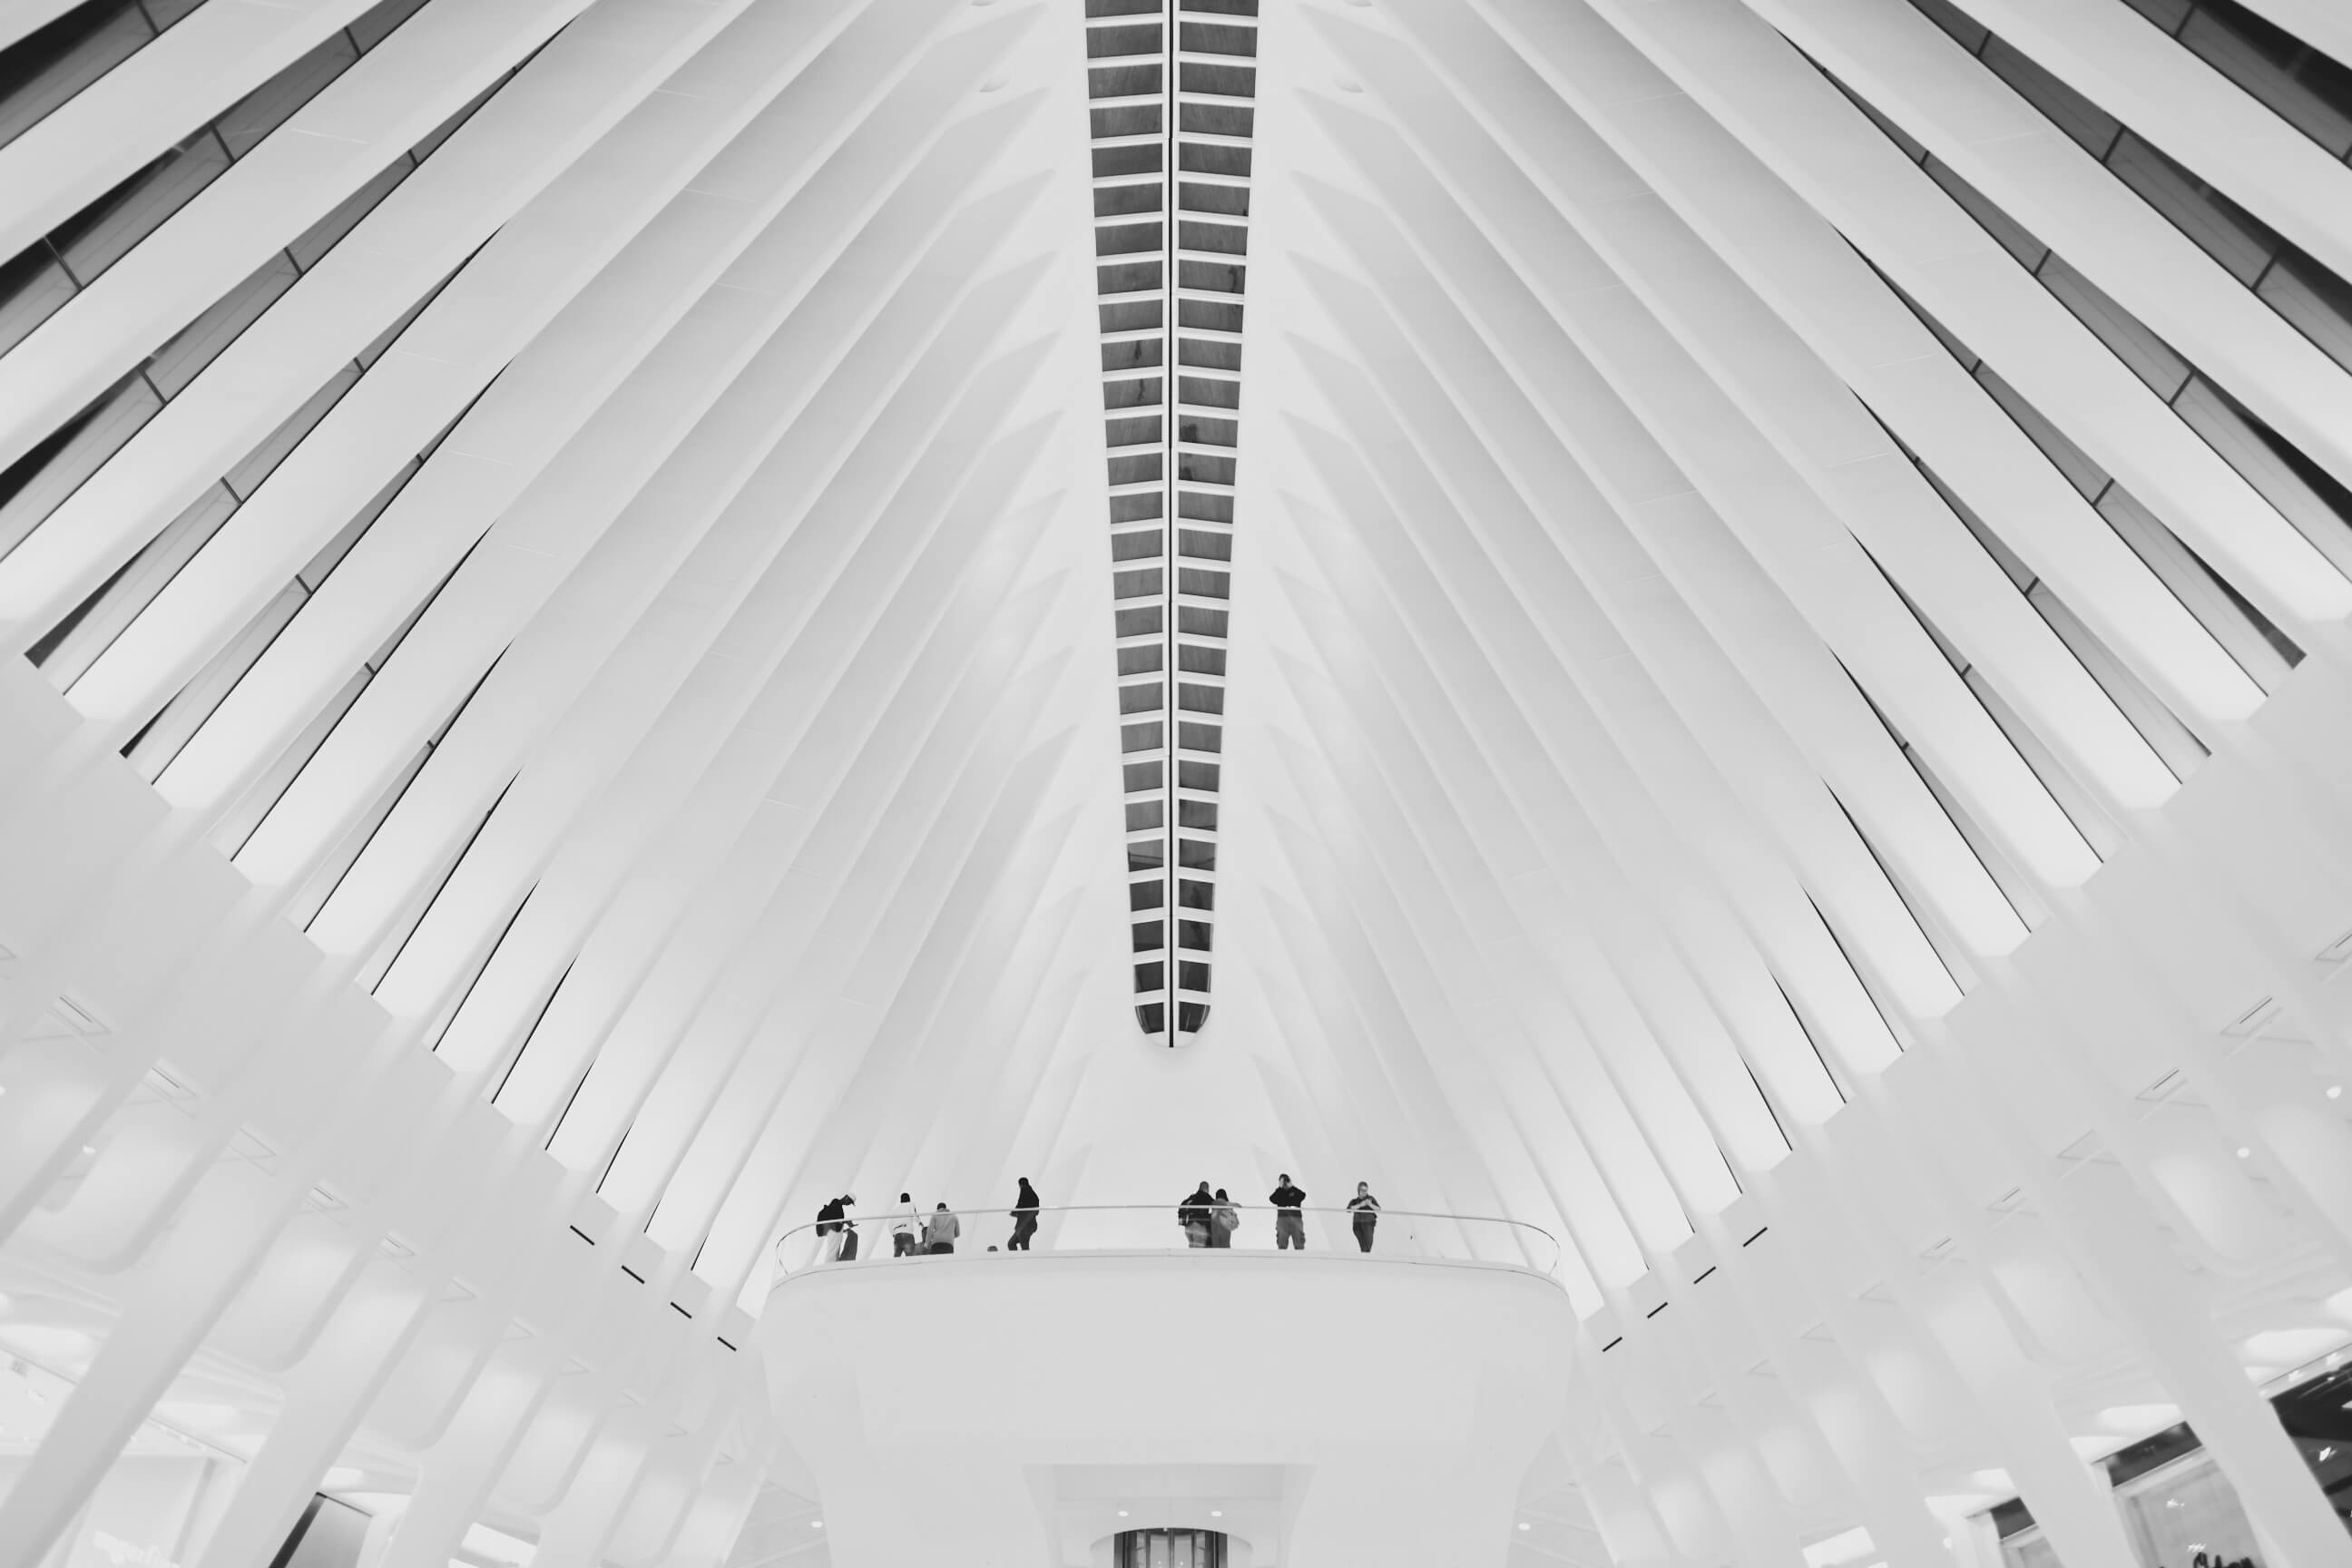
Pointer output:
x,y
913,1231
1208,1218
1211,1218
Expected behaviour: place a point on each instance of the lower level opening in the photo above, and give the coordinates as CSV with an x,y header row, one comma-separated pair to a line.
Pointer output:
x,y
1169,1549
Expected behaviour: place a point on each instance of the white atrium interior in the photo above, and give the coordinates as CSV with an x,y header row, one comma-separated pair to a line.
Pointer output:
x,y
724,723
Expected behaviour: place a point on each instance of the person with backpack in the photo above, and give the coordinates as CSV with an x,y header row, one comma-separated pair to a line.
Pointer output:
x,y
1224,1220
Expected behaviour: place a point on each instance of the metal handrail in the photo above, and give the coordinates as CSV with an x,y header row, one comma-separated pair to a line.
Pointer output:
x,y
1420,1235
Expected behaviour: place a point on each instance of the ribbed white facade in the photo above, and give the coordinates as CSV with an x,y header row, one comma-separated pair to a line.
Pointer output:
x,y
1783,718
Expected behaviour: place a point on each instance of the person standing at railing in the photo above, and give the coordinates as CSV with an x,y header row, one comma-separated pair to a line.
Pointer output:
x,y
906,1228
1290,1225
1224,1220
1366,1214
1024,1218
939,1232
828,1229
1192,1213
848,1229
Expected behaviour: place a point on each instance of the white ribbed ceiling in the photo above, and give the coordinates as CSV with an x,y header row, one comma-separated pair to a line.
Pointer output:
x,y
1760,684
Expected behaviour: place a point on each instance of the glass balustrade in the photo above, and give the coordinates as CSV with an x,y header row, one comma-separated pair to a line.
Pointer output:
x,y
887,1236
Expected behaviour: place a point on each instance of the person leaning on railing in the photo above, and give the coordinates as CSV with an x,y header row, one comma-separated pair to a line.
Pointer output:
x,y
906,1228
939,1232
1290,1225
1224,1220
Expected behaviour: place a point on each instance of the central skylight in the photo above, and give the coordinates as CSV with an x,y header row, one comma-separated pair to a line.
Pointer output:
x,y
1170,269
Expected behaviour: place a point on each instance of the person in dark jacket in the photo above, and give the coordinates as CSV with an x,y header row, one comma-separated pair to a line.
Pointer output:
x,y
1024,1218
1192,1213
828,1225
847,1225
1366,1215
1290,1225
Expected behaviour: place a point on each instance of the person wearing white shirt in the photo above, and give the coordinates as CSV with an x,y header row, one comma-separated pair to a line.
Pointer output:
x,y
906,1228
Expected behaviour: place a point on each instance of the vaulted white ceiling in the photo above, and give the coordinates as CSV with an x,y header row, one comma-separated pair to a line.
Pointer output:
x,y
1779,717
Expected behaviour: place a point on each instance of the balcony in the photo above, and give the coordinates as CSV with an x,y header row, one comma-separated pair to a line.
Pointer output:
x,y
1330,1408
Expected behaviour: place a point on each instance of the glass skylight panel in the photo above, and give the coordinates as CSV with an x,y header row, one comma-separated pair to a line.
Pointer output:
x,y
1171,262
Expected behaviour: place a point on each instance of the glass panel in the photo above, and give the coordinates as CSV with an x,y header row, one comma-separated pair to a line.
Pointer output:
x,y
2029,1549
2166,14
2305,88
263,460
2013,235
32,287
376,26
99,235
2231,235
152,749
40,481
177,363
2311,499
269,105
2077,116
49,66
2187,1509
321,235
2315,300
2260,649
74,645
2150,357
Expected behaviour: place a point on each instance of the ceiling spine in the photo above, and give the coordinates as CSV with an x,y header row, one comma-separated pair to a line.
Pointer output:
x,y
1171,227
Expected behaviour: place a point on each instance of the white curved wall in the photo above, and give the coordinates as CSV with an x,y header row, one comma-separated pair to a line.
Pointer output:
x,y
1328,1410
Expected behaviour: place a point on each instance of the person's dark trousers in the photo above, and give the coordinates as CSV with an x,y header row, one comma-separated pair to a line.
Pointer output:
x,y
902,1245
940,1247
1289,1230
1024,1227
1363,1237
848,1244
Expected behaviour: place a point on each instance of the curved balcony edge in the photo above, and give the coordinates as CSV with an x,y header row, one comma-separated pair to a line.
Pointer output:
x,y
866,1237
